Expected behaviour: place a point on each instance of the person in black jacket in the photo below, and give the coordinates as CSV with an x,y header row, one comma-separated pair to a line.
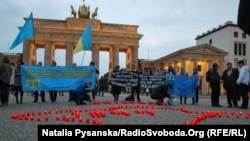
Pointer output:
x,y
53,93
161,92
243,20
215,85
94,91
229,77
115,89
41,93
135,89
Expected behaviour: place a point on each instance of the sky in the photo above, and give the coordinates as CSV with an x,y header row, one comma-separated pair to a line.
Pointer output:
x,y
166,25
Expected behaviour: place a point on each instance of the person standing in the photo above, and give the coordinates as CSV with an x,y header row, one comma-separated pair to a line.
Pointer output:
x,y
214,83
229,77
195,100
183,73
71,91
12,78
53,93
18,82
116,90
243,81
94,91
101,86
5,74
135,89
36,93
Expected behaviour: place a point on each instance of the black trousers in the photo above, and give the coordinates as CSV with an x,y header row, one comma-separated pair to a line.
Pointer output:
x,y
243,88
4,92
135,90
215,88
42,94
53,95
232,96
17,90
196,98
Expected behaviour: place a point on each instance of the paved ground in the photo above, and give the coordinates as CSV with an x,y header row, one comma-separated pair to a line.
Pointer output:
x,y
14,128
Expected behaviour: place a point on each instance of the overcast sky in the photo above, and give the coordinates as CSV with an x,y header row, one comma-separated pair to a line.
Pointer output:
x,y
166,25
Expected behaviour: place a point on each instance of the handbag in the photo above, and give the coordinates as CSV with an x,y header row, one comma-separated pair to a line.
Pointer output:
x,y
173,101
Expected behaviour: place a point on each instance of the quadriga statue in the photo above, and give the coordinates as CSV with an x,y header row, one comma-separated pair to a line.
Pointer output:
x,y
84,11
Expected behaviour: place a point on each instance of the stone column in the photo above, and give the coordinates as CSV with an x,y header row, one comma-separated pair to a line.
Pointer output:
x,y
134,55
69,54
27,51
128,58
175,67
195,63
48,54
115,55
183,63
95,54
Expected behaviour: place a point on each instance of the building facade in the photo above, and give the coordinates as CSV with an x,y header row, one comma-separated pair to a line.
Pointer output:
x,y
230,38
223,44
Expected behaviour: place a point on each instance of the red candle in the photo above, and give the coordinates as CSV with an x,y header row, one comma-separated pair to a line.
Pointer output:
x,y
46,118
80,119
94,121
72,119
87,120
38,118
57,117
31,118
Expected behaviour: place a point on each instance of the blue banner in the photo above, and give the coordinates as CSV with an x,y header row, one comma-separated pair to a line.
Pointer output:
x,y
56,77
182,85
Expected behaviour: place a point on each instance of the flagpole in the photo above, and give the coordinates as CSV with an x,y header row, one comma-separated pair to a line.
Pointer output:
x,y
34,36
84,50
83,57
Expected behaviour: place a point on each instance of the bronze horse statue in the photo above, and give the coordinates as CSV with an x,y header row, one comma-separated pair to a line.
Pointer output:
x,y
73,11
94,14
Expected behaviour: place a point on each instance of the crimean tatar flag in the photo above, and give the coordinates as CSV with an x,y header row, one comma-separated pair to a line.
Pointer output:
x,y
84,43
26,32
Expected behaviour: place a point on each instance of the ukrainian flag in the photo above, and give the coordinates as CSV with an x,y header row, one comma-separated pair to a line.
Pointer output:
x,y
84,43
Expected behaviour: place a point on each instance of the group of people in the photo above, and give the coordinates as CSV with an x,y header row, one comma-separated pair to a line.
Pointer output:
x,y
135,90
10,77
235,82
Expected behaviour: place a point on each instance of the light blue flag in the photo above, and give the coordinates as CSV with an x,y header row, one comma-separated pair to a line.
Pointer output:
x,y
26,32
182,85
84,43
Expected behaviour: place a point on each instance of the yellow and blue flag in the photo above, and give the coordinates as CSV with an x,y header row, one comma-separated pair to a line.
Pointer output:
x,y
26,32
84,43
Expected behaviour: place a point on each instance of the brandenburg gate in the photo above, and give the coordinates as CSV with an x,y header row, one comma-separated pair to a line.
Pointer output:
x,y
63,34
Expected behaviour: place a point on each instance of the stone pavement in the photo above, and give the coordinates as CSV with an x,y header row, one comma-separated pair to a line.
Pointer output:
x,y
16,120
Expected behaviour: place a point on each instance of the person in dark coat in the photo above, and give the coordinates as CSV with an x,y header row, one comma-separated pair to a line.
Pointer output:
x,y
229,77
53,93
18,83
5,74
94,91
161,92
37,93
81,93
135,89
215,85
116,90
101,86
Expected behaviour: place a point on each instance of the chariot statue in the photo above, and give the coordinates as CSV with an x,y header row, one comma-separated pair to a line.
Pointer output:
x,y
83,12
